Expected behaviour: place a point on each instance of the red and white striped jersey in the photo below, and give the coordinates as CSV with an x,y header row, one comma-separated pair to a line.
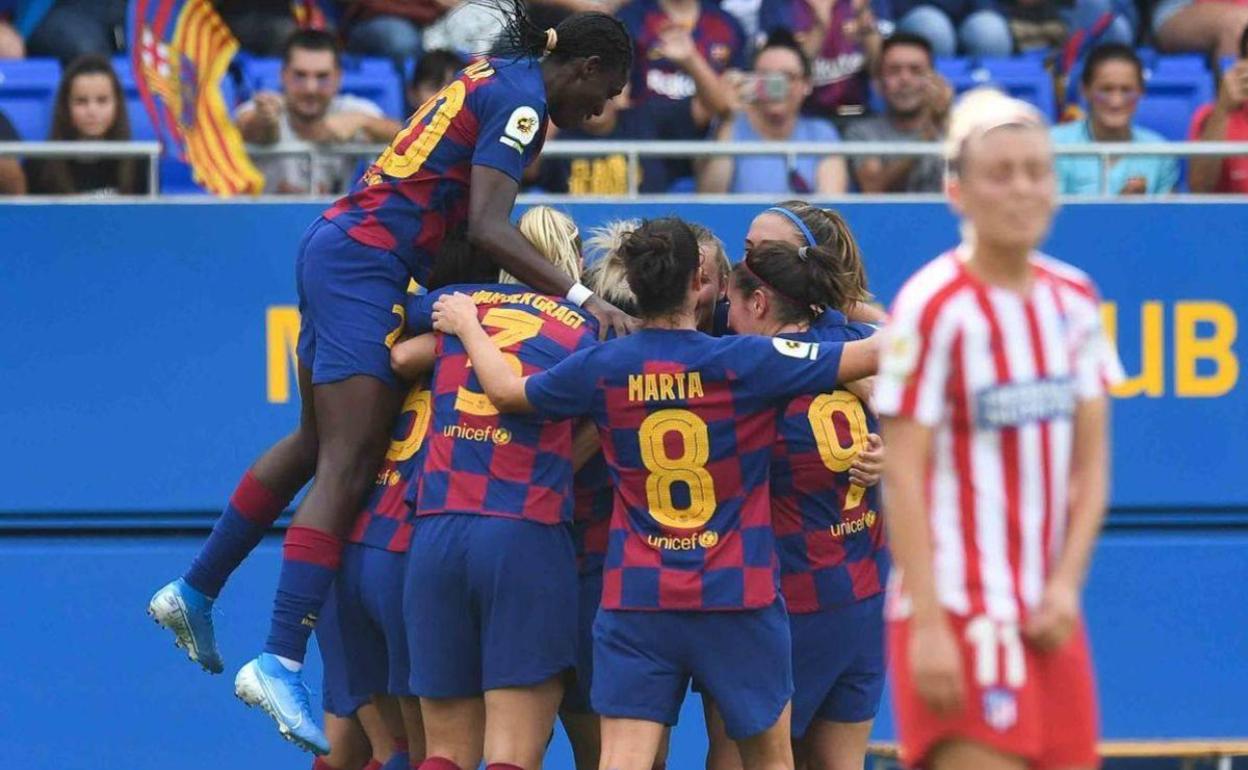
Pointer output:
x,y
997,375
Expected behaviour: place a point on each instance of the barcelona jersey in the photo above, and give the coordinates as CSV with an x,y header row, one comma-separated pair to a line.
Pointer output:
x,y
591,514
386,520
478,461
829,532
687,423
493,114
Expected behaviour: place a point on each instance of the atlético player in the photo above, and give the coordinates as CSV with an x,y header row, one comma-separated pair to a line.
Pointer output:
x,y
993,379
687,424
459,158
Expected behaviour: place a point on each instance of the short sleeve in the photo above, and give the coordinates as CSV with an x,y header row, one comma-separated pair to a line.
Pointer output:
x,y
420,312
512,122
1096,364
565,390
787,367
915,351
1198,121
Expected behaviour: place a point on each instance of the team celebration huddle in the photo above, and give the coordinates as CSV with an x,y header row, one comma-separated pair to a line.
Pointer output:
x,y
564,479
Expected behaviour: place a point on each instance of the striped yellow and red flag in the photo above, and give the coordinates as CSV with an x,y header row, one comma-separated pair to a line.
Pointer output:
x,y
180,51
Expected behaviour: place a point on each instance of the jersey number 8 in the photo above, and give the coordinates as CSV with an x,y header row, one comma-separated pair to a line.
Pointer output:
x,y
689,468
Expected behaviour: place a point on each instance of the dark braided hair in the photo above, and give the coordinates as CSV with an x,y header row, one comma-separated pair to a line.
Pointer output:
x,y
580,35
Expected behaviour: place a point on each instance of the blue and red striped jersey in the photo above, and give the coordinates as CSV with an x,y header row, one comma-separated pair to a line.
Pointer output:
x,y
829,531
386,520
687,424
476,460
493,114
718,36
591,514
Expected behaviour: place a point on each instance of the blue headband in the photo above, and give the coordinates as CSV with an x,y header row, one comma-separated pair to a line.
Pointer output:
x,y
797,222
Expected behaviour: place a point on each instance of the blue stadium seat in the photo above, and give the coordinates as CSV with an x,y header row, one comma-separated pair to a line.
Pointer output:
x,y
369,78
27,95
1021,77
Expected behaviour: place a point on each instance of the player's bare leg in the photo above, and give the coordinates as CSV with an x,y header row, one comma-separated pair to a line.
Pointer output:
x,y
454,730
965,755
585,735
835,745
630,744
353,421
518,721
413,729
721,751
348,743
184,606
380,720
772,749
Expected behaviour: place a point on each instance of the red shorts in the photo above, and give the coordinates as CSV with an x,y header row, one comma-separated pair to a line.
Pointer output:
x,y
1039,706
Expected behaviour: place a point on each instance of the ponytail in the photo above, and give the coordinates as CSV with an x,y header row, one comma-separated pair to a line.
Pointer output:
x,y
802,280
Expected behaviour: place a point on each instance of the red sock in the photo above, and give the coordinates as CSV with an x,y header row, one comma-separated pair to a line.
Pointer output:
x,y
256,503
320,764
438,763
373,764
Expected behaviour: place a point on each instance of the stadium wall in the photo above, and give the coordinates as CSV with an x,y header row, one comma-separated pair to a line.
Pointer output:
x,y
147,353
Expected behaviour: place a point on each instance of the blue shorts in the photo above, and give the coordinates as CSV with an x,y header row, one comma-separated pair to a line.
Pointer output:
x,y
643,662
369,591
490,603
351,303
838,663
589,596
336,695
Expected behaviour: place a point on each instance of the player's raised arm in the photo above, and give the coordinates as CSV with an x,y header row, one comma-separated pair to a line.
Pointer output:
x,y
457,314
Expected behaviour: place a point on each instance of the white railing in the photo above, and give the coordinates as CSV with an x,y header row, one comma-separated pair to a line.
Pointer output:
x,y
635,151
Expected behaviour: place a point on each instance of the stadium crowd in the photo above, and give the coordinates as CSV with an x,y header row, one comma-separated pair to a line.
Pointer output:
x,y
740,70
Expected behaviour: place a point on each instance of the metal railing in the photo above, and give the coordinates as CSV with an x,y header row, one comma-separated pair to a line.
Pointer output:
x,y
634,152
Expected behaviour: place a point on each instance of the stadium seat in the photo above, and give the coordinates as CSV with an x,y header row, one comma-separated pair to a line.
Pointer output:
x,y
28,93
369,78
1021,77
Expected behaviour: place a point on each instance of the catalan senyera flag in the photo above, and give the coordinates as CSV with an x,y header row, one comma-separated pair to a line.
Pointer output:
x,y
180,50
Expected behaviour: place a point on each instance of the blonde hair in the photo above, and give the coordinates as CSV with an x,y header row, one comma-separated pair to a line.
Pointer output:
x,y
554,234
606,275
976,113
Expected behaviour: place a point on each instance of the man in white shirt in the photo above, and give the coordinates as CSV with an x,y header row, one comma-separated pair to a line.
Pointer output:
x,y
310,108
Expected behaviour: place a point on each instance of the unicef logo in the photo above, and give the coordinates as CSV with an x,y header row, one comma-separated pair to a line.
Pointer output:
x,y
502,437
708,539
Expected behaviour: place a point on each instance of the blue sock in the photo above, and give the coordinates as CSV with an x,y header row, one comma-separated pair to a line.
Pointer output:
x,y
251,511
399,760
309,563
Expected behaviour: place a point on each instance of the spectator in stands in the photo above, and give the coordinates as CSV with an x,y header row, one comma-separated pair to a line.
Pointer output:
x,y
261,26
435,70
1208,27
916,107
12,178
390,28
89,106
842,40
717,35
772,96
654,119
68,29
974,26
1225,120
1112,84
310,108
12,46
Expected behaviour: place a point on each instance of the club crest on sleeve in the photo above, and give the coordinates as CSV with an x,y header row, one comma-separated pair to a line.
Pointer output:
x,y
796,349
521,128
900,353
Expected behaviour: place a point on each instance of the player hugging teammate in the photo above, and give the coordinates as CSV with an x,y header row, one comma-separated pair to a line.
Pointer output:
x,y
583,513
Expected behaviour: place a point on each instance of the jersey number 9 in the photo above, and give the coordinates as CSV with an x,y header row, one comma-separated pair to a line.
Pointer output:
x,y
836,456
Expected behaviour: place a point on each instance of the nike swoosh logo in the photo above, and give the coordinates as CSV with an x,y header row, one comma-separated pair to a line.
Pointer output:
x,y
294,720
